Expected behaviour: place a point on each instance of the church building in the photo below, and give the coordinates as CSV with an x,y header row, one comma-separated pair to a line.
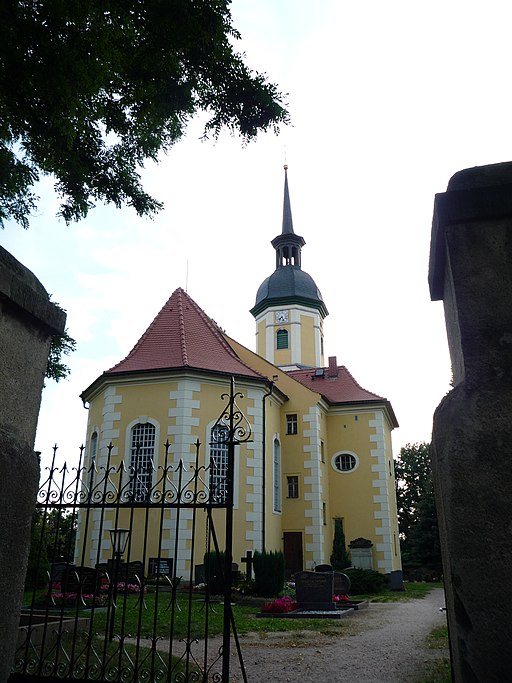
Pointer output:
x,y
320,447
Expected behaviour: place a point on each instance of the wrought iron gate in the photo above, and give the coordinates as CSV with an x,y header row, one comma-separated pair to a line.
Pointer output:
x,y
135,619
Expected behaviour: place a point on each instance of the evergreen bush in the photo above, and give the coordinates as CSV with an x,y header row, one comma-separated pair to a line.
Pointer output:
x,y
366,581
268,572
339,558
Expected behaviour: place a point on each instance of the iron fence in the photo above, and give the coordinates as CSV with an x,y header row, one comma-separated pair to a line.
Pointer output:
x,y
113,571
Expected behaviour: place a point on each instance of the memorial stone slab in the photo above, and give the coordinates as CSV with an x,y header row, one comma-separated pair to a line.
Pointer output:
x,y
315,590
341,584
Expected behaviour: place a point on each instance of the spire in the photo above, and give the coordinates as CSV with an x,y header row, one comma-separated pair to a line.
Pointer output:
x,y
288,283
287,244
287,211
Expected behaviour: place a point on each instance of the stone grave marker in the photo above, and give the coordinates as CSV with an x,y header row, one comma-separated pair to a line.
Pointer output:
x,y
341,584
315,590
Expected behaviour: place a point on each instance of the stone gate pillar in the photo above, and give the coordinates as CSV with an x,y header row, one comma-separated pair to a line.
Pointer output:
x,y
471,271
27,322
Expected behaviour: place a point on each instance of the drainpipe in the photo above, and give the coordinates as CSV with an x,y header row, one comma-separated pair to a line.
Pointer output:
x,y
270,385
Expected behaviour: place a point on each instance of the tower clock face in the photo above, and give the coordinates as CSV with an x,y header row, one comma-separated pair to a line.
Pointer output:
x,y
281,316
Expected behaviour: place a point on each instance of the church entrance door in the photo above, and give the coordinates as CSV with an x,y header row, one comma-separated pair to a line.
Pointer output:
x,y
293,560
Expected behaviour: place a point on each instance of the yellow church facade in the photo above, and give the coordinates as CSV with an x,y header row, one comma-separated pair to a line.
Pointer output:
x,y
320,446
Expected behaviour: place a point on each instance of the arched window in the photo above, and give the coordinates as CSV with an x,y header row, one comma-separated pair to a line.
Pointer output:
x,y
141,461
218,463
282,339
276,476
93,447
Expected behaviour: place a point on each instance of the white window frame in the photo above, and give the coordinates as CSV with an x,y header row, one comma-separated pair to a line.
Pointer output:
x,y
208,454
292,486
340,454
129,452
218,463
292,423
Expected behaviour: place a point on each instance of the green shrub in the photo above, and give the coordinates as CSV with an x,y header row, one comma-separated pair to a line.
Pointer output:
x,y
364,581
339,557
38,566
245,587
269,573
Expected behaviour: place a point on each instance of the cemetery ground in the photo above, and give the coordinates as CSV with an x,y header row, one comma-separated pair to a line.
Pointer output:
x,y
400,637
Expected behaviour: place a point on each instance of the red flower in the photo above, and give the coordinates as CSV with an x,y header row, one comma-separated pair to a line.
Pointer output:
x,y
280,605
340,598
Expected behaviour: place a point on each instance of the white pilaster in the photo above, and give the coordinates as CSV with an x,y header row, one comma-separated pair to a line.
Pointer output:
x,y
314,531
381,487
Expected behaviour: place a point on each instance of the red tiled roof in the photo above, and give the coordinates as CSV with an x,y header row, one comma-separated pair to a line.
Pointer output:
x,y
183,336
340,389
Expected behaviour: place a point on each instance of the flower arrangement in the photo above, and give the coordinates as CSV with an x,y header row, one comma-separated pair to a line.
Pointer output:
x,y
128,587
121,586
280,605
340,598
70,599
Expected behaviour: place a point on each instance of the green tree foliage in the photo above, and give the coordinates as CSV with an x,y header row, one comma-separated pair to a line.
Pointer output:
x,y
417,516
61,345
52,540
339,557
91,90
424,546
38,566
268,573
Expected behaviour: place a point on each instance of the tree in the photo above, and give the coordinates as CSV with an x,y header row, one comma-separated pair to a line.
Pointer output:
x,y
52,540
60,345
417,516
424,545
91,90
339,557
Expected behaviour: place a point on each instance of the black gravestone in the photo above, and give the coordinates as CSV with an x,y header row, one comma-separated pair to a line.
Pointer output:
x,y
315,590
323,568
341,584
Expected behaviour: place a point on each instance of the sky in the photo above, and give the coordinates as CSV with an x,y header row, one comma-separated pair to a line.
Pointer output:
x,y
387,101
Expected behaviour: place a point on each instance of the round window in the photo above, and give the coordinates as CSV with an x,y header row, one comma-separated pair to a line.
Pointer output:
x,y
345,461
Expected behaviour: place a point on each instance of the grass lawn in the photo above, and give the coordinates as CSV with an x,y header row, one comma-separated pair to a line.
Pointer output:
x,y
142,618
245,619
440,672
411,592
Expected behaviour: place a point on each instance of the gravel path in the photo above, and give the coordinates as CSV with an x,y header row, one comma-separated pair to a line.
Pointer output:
x,y
385,642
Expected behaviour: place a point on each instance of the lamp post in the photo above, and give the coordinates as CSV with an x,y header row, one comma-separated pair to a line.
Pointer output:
x,y
119,539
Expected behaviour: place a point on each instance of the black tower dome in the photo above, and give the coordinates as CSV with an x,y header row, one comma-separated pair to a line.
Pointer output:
x,y
288,284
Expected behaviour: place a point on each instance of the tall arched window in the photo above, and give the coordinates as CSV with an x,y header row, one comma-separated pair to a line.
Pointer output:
x,y
276,498
218,463
282,339
93,447
141,462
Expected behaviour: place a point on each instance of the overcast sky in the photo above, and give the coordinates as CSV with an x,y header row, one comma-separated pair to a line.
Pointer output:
x,y
388,100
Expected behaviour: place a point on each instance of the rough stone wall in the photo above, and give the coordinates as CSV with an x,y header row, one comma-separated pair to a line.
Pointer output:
x,y
27,322
471,270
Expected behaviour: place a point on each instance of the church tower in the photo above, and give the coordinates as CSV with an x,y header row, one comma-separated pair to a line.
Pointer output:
x,y
289,309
